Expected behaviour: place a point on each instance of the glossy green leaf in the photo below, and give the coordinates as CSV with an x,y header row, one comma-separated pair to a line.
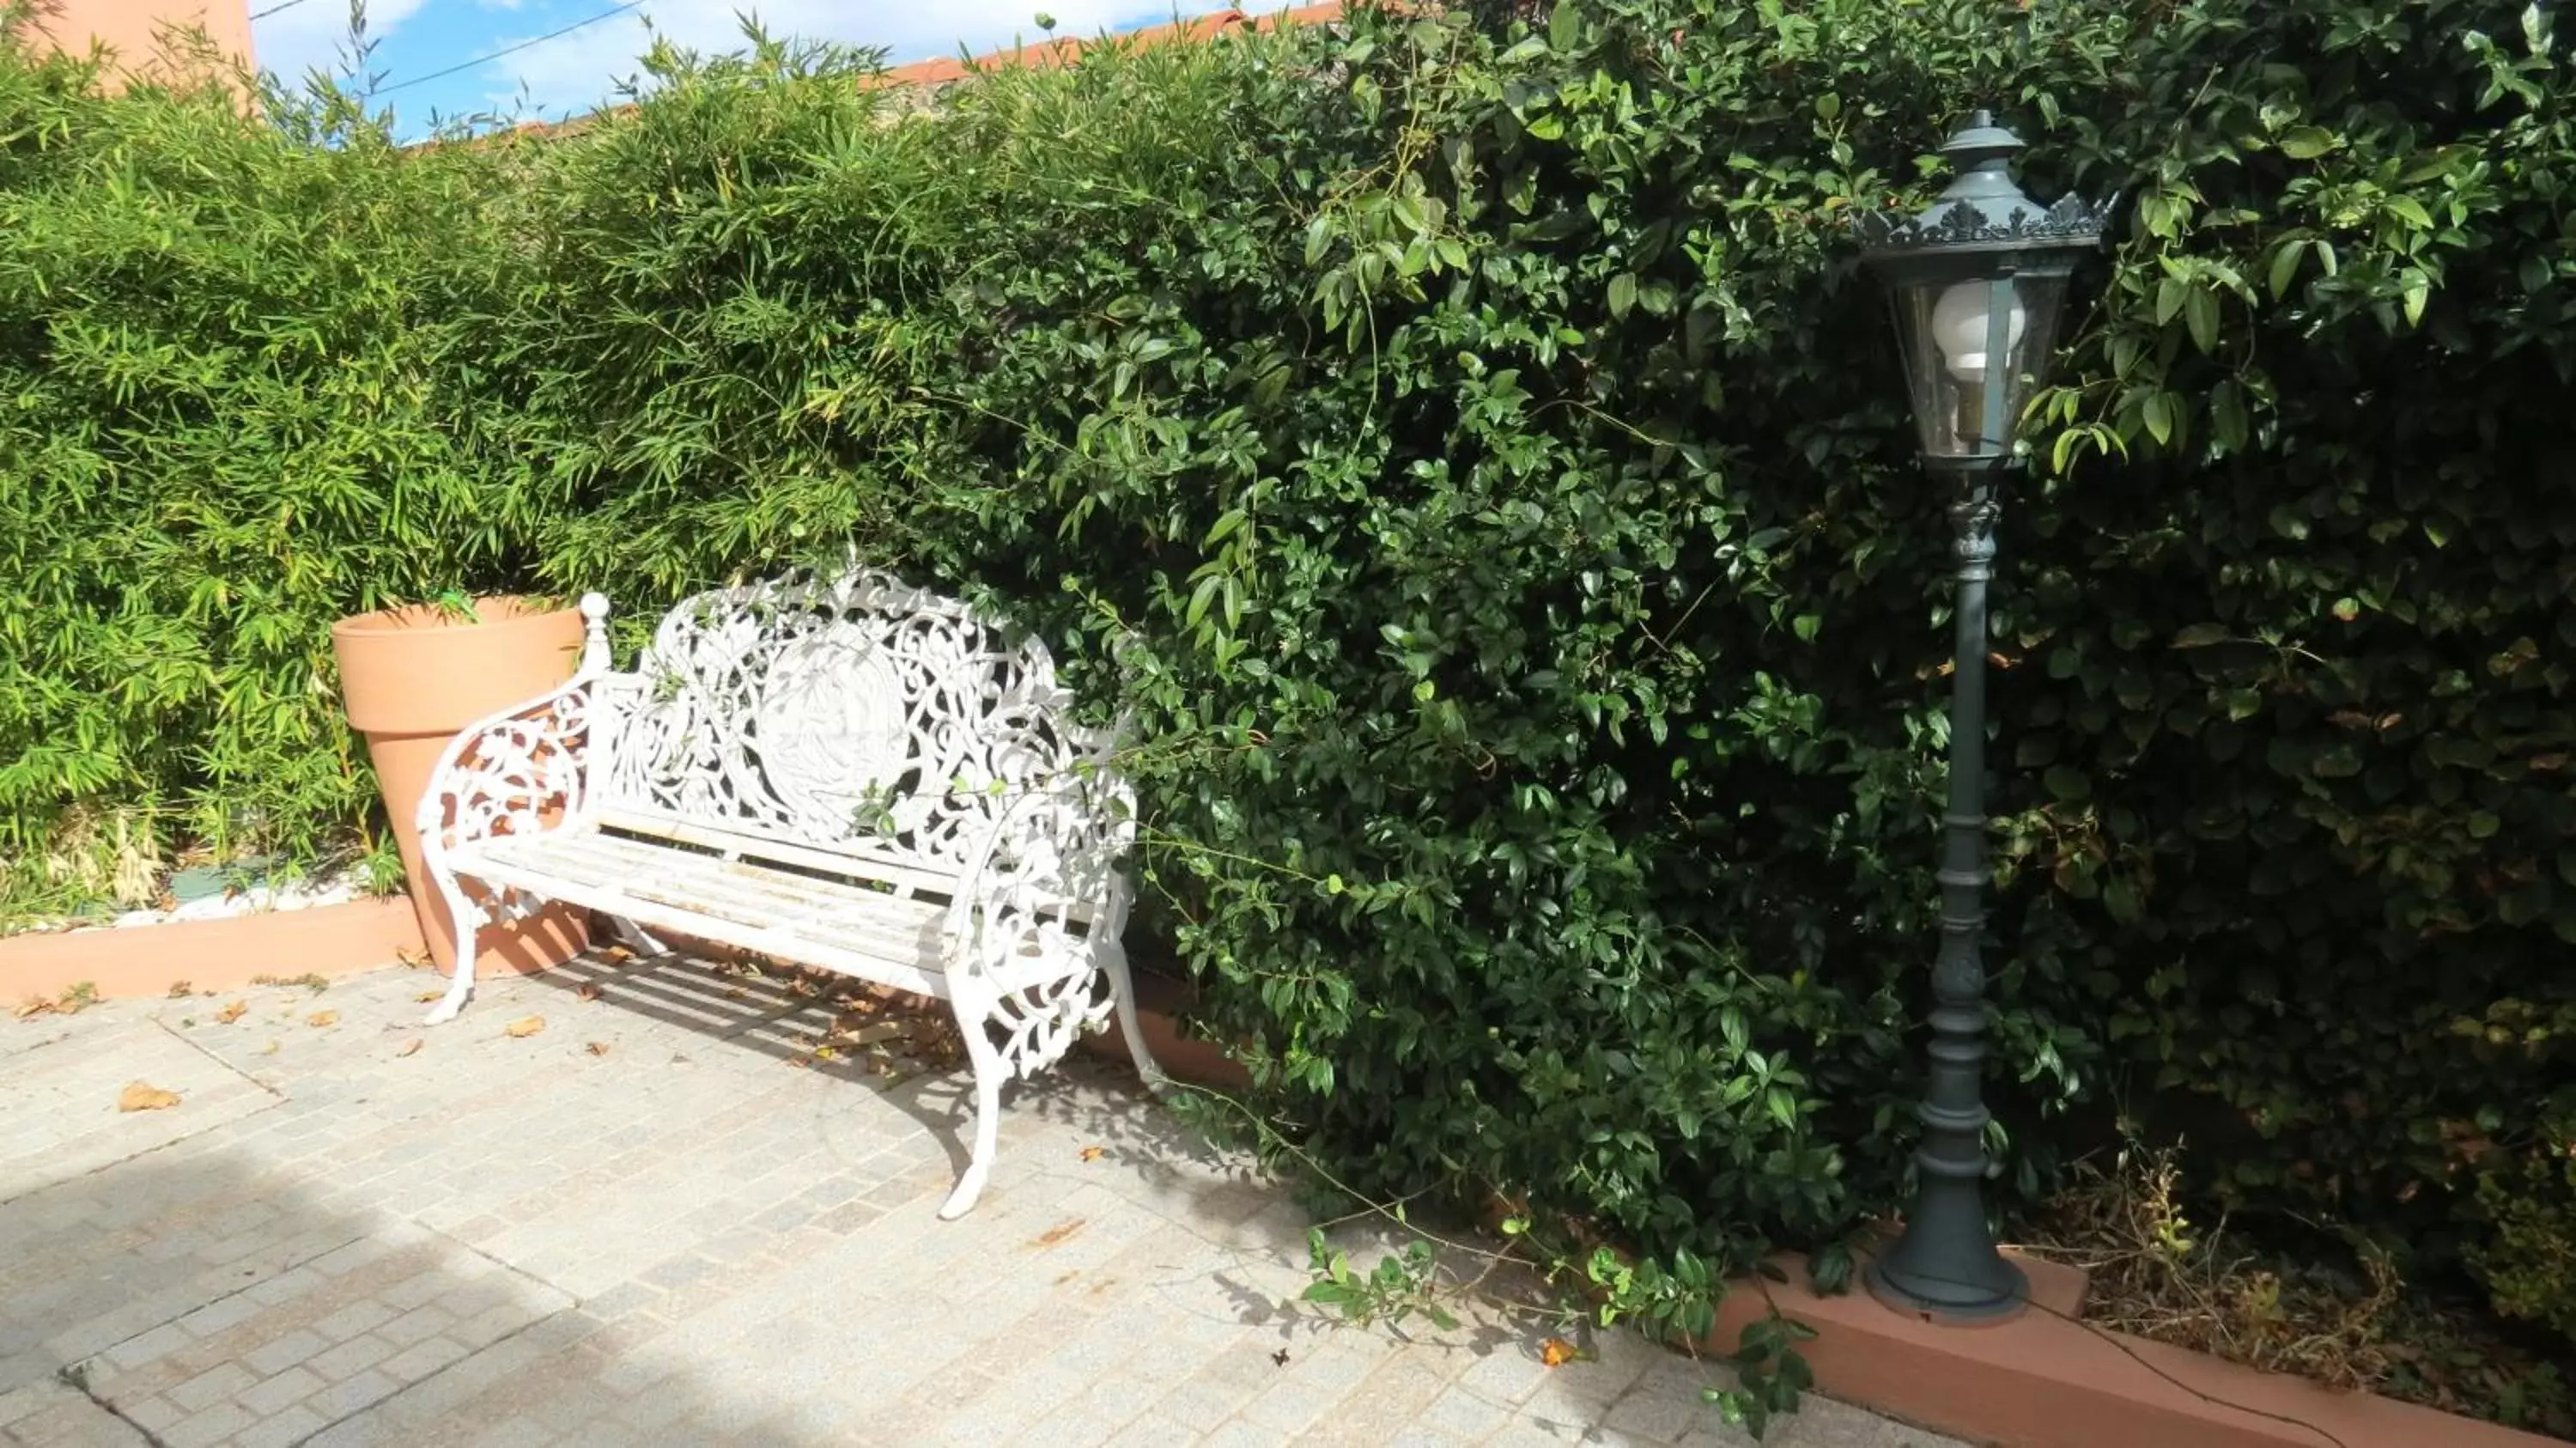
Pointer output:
x,y
1623,294
2306,143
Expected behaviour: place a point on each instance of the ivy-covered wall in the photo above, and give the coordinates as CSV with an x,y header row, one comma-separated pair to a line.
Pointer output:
x,y
1495,454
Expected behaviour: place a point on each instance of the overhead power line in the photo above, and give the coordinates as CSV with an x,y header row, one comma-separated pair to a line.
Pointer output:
x,y
612,11
273,9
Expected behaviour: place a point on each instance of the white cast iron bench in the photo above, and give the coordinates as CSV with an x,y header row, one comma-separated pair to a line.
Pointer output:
x,y
845,773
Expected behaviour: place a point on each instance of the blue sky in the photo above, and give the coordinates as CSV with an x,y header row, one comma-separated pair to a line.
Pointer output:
x,y
572,74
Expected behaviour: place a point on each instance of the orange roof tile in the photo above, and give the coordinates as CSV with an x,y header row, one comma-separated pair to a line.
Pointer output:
x,y
1069,49
945,70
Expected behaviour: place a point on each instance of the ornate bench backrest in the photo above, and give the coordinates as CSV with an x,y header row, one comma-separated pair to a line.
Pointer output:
x,y
853,716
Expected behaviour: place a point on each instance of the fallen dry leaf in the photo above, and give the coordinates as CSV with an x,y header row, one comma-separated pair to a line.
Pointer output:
x,y
597,1048
231,1013
416,959
524,1026
409,1047
269,1050
425,997
736,993
826,1053
1094,1153
320,1019
870,1033
618,953
798,1062
1057,1233
34,1006
1556,1352
143,1096
589,992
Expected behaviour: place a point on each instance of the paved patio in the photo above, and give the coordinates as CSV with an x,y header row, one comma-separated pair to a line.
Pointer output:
x,y
641,1225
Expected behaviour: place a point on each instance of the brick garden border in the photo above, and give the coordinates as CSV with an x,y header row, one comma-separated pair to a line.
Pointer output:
x,y
2045,1380
218,954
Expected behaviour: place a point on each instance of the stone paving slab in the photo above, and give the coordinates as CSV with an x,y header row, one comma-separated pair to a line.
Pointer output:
x,y
61,1086
51,1414
644,1225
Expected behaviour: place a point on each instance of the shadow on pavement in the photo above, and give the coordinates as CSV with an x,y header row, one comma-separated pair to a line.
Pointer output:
x,y
191,1296
765,1012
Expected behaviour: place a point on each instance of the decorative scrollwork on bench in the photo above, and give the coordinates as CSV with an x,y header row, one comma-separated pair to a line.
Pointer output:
x,y
511,776
1046,890
784,707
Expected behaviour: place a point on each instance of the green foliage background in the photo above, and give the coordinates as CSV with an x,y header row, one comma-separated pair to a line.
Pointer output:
x,y
1489,441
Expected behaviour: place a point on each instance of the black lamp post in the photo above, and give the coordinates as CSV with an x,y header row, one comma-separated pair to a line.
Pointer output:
x,y
1977,280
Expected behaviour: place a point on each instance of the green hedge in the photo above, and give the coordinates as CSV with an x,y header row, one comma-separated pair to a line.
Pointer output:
x,y
239,404
1494,448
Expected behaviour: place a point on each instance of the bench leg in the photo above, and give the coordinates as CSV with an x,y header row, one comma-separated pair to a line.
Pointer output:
x,y
1122,989
460,982
637,939
990,1071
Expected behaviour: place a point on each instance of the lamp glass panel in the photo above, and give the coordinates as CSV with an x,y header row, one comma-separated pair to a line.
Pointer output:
x,y
1942,331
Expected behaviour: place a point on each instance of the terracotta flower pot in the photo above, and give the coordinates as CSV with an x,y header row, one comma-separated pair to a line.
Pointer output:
x,y
412,677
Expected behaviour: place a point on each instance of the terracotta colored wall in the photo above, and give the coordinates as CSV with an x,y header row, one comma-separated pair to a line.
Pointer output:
x,y
127,26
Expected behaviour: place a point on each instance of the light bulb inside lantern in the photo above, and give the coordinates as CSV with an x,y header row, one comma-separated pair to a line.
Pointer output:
x,y
1959,328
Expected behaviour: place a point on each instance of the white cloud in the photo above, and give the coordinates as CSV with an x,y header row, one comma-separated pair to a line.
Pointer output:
x,y
579,70
500,4
302,37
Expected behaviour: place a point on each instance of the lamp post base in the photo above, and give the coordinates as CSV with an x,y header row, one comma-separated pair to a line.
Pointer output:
x,y
1994,1292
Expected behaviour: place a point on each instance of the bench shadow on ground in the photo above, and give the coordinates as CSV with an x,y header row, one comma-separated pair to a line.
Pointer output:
x,y
1178,1169
764,1012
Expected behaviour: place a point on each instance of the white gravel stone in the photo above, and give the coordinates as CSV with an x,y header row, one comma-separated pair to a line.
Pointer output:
x,y
305,895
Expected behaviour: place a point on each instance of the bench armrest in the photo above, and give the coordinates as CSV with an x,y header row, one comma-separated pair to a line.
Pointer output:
x,y
514,772
520,769
1040,903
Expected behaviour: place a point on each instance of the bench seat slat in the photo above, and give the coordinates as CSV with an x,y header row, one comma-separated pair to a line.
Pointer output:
x,y
739,893
794,917
752,891
869,864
